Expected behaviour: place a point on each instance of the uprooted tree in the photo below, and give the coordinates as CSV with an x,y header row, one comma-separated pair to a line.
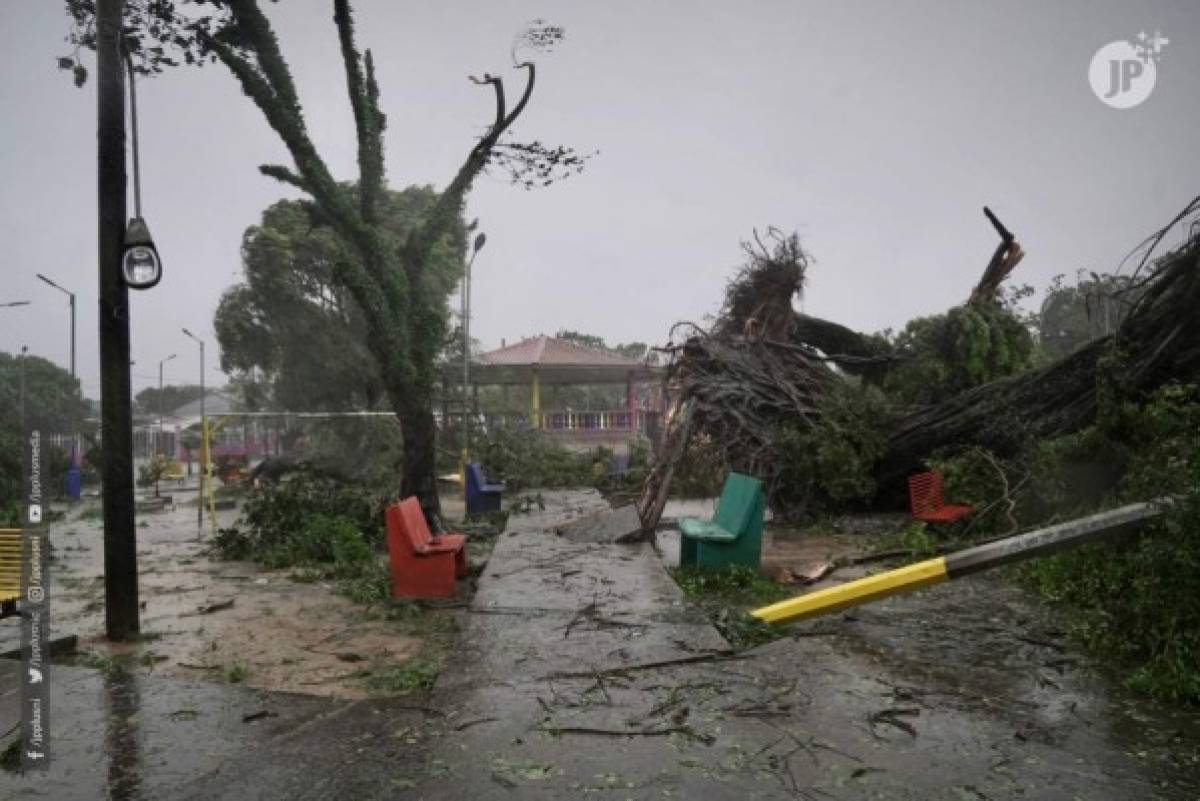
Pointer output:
x,y
389,276
785,396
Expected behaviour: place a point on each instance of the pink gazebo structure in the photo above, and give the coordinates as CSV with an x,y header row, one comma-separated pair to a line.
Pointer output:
x,y
544,362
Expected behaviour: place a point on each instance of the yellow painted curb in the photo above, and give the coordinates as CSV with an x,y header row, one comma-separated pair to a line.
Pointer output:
x,y
853,593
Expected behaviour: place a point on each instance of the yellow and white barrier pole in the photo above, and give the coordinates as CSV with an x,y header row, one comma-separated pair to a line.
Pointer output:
x,y
962,563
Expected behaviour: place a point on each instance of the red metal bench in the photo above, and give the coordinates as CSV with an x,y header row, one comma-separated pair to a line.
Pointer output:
x,y
925,499
423,565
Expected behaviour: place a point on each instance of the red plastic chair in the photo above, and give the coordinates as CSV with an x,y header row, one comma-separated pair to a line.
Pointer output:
x,y
423,565
925,499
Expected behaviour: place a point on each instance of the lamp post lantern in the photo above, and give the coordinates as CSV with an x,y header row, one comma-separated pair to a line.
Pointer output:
x,y
10,304
141,267
203,432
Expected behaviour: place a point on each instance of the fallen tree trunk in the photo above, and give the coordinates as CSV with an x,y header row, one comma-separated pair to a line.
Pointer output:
x,y
858,354
764,368
1158,342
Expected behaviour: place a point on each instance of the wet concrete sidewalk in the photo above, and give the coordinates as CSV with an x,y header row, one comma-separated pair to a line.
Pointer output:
x,y
127,737
584,674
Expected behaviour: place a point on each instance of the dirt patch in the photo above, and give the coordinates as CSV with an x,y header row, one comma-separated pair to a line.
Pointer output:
x,y
205,619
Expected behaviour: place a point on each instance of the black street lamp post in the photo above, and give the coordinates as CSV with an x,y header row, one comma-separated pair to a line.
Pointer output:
x,y
121,612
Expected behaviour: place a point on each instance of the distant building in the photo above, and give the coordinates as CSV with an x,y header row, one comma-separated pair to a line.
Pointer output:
x,y
541,365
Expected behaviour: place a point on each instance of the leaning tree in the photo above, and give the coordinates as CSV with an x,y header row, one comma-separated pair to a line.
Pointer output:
x,y
388,276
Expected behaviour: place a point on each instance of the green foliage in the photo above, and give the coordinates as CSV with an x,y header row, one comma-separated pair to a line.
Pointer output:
x,y
978,478
726,596
916,537
10,757
359,450
157,34
527,459
829,465
293,319
1136,597
967,346
307,519
701,473
151,471
151,400
1074,314
416,675
237,673
369,583
326,538
54,404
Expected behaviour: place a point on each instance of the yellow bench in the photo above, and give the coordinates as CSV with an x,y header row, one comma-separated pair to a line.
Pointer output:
x,y
10,570
174,471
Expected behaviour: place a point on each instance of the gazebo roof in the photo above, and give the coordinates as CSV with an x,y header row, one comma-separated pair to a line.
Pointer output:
x,y
556,361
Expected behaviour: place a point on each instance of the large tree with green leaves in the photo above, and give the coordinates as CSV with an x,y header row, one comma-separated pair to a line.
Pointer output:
x,y
1072,315
389,276
152,400
293,323
53,403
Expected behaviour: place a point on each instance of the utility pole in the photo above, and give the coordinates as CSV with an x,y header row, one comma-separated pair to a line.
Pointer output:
x,y
121,616
203,433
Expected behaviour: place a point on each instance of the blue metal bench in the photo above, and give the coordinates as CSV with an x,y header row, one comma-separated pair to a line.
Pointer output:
x,y
481,496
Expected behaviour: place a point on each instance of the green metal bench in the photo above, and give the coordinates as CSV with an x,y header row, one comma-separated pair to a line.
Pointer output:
x,y
10,570
734,535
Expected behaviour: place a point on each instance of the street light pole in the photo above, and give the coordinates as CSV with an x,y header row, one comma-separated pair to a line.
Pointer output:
x,y
158,451
121,612
71,296
203,433
73,474
480,240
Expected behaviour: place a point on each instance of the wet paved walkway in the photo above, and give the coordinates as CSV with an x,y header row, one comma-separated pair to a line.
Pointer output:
x,y
582,673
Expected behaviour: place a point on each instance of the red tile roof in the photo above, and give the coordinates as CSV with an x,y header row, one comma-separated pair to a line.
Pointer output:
x,y
544,350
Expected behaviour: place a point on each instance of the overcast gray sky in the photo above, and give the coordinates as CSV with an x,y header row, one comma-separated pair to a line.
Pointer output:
x,y
875,129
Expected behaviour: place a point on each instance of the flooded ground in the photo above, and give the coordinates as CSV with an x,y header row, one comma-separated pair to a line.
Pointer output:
x,y
583,672
212,620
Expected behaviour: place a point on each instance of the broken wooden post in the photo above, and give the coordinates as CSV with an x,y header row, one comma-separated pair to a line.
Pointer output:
x,y
999,552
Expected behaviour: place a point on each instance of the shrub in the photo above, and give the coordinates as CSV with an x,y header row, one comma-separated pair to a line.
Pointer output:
x,y
307,519
829,465
701,472
1137,597
967,346
151,471
527,459
726,596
